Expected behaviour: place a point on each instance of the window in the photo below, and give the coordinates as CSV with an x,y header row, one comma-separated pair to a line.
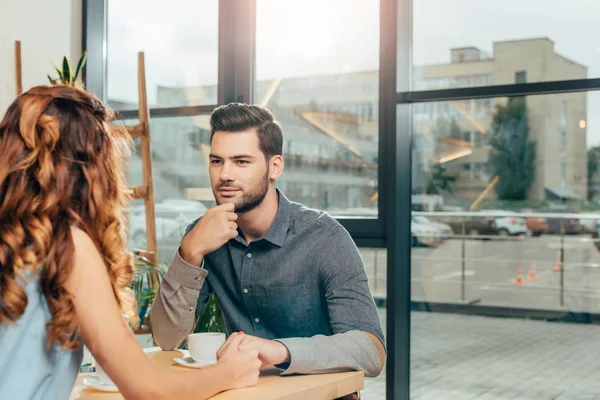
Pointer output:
x,y
180,43
494,39
180,177
501,272
482,139
332,84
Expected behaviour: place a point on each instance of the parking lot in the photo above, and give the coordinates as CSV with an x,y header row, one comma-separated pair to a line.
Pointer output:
x,y
491,272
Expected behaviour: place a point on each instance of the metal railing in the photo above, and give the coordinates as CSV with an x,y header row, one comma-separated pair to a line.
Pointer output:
x,y
561,217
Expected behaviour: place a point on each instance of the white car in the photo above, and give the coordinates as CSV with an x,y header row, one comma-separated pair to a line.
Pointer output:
x,y
445,229
424,234
507,223
172,216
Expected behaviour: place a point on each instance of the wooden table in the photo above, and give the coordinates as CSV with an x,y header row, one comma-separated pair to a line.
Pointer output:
x,y
270,386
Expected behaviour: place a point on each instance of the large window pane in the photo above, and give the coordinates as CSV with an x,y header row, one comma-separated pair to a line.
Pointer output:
x,y
505,215
375,261
472,43
182,189
318,72
180,42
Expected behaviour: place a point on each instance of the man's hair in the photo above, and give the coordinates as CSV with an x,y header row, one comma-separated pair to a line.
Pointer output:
x,y
237,117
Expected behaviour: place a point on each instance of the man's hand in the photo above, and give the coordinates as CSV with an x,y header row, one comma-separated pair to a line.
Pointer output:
x,y
213,230
270,352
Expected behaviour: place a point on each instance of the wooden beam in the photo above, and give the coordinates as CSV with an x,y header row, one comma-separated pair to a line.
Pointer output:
x,y
18,71
138,192
137,131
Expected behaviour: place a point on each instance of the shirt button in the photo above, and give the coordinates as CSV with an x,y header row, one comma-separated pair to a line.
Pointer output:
x,y
249,255
256,320
191,308
245,290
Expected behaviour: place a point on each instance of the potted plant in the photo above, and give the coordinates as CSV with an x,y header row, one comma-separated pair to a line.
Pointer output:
x,y
66,75
146,281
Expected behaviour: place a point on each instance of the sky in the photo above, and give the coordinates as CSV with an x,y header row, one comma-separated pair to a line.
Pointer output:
x,y
336,36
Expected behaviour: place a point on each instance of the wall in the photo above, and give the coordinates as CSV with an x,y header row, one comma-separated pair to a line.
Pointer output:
x,y
48,30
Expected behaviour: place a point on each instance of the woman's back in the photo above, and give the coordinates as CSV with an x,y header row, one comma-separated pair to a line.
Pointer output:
x,y
62,167
29,369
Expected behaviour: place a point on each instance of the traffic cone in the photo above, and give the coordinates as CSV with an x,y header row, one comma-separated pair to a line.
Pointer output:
x,y
558,267
519,279
532,271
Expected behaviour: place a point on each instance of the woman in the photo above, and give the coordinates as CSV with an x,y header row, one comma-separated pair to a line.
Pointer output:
x,y
64,267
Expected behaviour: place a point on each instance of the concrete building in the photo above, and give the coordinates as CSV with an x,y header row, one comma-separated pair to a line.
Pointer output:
x,y
557,122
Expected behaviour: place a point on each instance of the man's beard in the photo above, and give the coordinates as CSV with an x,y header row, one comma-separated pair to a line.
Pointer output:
x,y
251,199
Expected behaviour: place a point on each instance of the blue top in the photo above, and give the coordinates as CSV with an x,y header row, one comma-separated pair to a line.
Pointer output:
x,y
29,369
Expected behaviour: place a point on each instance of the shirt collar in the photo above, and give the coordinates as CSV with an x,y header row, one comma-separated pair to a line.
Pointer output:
x,y
279,228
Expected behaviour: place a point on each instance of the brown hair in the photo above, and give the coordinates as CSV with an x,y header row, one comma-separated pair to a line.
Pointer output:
x,y
236,117
60,167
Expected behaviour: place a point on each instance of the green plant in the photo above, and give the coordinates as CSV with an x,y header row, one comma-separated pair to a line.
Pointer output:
x,y
211,317
146,281
438,181
66,75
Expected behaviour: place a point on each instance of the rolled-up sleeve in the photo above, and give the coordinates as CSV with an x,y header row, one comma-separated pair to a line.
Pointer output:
x,y
173,313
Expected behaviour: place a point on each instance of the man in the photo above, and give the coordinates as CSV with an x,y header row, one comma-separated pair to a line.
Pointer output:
x,y
288,276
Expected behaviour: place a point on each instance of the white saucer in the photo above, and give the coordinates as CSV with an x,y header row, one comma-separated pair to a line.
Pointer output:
x,y
189,362
95,383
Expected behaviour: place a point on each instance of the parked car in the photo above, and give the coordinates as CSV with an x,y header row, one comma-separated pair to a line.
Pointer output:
x,y
445,229
570,225
536,226
507,222
424,235
172,216
473,225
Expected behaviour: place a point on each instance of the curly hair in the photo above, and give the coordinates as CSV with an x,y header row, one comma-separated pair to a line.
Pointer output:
x,y
61,167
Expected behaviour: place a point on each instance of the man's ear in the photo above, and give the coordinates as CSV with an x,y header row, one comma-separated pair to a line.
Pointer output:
x,y
275,167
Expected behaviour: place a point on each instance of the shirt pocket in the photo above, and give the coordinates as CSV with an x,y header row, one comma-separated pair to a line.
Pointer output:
x,y
290,311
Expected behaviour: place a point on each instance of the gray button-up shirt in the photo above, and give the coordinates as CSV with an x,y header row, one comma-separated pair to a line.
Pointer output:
x,y
303,284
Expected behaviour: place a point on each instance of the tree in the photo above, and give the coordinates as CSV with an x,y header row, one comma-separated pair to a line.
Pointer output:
x,y
593,160
436,180
512,158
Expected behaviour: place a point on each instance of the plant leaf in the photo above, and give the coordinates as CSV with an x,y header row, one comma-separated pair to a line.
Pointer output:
x,y
67,71
60,75
52,81
80,64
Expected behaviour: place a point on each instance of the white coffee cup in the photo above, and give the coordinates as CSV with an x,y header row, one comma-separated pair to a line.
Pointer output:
x,y
203,346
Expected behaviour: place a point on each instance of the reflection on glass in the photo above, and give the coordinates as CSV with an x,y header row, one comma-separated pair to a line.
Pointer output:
x,y
323,90
182,192
180,41
488,168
